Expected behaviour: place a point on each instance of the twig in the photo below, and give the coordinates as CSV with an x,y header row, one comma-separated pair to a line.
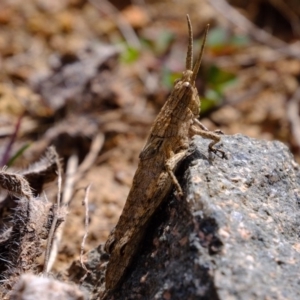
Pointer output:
x,y
293,115
233,16
71,171
55,219
85,202
67,194
127,31
91,157
73,174
105,156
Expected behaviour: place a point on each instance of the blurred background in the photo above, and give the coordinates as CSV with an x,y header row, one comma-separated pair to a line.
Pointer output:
x,y
89,76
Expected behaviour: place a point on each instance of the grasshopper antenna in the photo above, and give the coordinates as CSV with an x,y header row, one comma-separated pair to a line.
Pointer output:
x,y
189,55
199,59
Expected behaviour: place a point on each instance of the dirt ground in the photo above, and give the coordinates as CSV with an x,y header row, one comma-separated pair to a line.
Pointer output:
x,y
90,76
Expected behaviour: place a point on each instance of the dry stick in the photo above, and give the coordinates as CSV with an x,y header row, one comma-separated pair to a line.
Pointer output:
x,y
55,218
127,31
256,33
72,166
85,202
72,169
293,116
73,174
91,157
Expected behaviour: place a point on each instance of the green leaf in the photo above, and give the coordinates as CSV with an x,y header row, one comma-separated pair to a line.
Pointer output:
x,y
208,104
168,78
218,76
240,40
17,154
217,81
220,38
212,95
216,37
130,55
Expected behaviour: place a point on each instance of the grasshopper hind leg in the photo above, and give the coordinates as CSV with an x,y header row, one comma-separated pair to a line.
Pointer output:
x,y
171,163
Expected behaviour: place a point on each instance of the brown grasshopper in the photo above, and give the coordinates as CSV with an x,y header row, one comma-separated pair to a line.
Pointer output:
x,y
166,146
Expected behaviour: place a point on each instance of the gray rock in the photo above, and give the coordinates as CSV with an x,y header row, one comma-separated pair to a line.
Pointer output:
x,y
236,235
253,201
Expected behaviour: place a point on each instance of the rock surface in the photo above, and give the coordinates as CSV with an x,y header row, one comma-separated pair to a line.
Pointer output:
x,y
236,235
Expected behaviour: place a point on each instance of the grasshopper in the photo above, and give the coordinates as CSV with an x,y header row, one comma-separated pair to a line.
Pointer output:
x,y
166,146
